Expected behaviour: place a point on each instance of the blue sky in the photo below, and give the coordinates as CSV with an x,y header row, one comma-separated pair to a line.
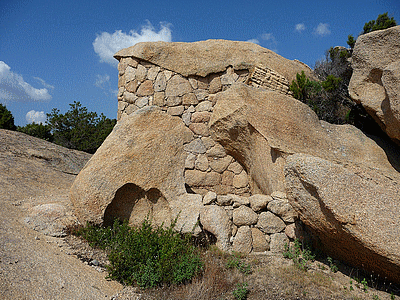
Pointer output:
x,y
55,52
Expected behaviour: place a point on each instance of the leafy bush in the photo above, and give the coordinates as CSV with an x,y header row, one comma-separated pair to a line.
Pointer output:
x,y
79,129
40,130
6,118
235,262
146,255
301,256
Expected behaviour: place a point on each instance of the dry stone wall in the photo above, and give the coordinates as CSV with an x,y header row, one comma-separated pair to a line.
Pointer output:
x,y
240,221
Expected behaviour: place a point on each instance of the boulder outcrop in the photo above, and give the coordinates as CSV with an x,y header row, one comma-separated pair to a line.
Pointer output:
x,y
354,210
261,128
375,81
137,172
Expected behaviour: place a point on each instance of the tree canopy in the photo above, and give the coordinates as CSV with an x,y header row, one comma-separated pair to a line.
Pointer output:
x,y
6,118
78,128
382,22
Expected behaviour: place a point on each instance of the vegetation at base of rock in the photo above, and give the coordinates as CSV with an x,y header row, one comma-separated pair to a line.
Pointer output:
x,y
41,131
6,118
147,255
235,262
78,128
382,22
301,256
241,291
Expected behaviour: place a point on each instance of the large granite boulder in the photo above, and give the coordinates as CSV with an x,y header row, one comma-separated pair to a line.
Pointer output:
x,y
212,56
354,210
261,128
375,82
137,173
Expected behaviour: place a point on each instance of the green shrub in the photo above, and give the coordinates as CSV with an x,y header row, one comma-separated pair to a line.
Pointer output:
x,y
301,256
40,131
241,291
146,255
235,262
382,22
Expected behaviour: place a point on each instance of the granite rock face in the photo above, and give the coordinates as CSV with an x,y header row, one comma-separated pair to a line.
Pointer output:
x,y
375,82
354,210
137,172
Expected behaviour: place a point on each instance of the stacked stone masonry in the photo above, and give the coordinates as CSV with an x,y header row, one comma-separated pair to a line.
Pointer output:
x,y
208,168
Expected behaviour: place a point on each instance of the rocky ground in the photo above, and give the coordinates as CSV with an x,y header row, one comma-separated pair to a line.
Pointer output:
x,y
38,261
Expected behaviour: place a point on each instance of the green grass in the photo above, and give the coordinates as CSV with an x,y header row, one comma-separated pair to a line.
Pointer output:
x,y
147,255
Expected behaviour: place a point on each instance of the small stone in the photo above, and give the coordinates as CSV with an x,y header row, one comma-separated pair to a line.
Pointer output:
x,y
131,62
290,231
216,151
153,72
186,116
190,161
220,164
201,95
235,167
269,223
241,180
239,201
201,162
160,83
201,117
199,129
168,74
243,241
204,106
278,241
175,110
259,202
130,74
244,216
145,89
196,146
131,108
283,209
129,97
37,238
224,200
189,99
260,243
94,262
195,177
215,85
227,178
132,86
141,73
209,198
177,86
159,99
193,82
173,101
208,142
142,102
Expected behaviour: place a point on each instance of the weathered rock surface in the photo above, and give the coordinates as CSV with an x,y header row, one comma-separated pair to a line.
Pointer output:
x,y
216,221
354,210
375,82
261,128
137,172
23,157
212,56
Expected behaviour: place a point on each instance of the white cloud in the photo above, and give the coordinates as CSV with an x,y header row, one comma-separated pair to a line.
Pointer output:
x,y
35,116
102,80
46,85
14,88
107,44
322,29
272,43
254,41
300,27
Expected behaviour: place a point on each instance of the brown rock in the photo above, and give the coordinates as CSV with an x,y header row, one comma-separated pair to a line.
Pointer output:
x,y
260,243
227,178
375,79
201,117
283,209
132,86
278,242
215,84
243,242
161,83
189,99
212,56
354,210
244,216
260,129
214,219
269,223
137,162
201,162
186,209
176,110
159,99
177,86
199,129
241,180
259,202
